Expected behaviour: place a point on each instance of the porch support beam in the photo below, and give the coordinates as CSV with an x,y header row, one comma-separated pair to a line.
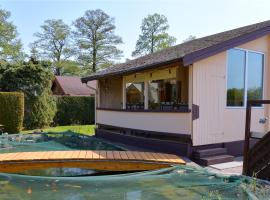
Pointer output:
x,y
124,92
146,94
98,93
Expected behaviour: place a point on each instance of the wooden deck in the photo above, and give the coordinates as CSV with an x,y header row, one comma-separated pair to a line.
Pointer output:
x,y
97,160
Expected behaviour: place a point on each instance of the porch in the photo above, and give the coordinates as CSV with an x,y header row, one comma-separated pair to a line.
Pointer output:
x,y
151,101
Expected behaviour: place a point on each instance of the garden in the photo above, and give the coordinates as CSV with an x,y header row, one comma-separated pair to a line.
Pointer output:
x,y
27,103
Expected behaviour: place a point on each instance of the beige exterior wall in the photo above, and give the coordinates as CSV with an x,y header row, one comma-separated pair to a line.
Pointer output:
x,y
217,123
149,121
110,93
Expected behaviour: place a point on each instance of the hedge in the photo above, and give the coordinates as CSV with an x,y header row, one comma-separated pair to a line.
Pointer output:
x,y
12,111
74,110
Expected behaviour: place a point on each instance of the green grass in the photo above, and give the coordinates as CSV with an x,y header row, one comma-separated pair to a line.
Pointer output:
x,y
82,129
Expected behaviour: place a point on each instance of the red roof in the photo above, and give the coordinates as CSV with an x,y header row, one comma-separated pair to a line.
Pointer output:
x,y
72,85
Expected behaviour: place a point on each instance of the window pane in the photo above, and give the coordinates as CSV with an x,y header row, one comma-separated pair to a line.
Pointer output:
x,y
255,76
165,95
135,95
236,78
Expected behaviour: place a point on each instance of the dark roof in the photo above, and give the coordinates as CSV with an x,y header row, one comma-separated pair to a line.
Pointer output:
x,y
72,85
188,52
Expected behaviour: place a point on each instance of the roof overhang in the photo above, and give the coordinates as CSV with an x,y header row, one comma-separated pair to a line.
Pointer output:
x,y
131,71
190,58
215,49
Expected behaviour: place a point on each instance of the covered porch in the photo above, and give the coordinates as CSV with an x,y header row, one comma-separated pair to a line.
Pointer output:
x,y
157,101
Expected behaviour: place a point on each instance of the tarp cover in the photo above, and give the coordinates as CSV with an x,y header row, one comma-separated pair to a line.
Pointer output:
x,y
178,182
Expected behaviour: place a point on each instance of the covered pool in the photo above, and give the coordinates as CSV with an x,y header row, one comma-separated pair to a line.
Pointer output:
x,y
178,182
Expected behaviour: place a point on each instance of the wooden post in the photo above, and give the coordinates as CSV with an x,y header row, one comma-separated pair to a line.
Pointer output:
x,y
178,85
98,94
247,136
146,95
124,92
247,132
190,86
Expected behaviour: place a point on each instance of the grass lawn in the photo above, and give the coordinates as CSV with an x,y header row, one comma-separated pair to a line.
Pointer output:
x,y
83,129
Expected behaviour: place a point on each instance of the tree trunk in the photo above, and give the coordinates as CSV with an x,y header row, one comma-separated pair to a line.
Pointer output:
x,y
152,43
57,71
94,65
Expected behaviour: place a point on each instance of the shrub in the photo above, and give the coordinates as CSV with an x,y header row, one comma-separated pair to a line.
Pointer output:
x,y
12,111
40,111
75,110
34,80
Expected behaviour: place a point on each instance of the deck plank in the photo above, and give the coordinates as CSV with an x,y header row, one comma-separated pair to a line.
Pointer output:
x,y
117,155
99,160
130,155
89,155
82,155
162,157
95,155
8,156
150,156
102,155
123,155
110,155
143,155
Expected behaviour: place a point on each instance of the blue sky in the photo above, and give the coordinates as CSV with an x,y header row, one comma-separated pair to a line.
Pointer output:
x,y
186,17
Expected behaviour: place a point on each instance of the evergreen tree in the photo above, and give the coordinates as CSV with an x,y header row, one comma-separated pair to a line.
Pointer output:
x,y
154,36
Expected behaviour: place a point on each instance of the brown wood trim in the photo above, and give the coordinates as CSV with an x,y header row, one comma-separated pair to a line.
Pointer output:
x,y
152,144
212,50
145,111
185,137
247,132
133,70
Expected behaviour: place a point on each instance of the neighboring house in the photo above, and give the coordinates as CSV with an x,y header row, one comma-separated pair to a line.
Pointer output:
x,y
72,86
198,89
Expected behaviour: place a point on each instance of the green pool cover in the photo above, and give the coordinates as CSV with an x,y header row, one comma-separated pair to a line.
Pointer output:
x,y
174,183
179,182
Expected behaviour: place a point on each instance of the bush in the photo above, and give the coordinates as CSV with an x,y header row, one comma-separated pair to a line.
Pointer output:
x,y
12,111
40,111
34,80
75,110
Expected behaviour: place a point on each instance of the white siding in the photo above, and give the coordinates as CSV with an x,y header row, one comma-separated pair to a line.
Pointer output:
x,y
150,121
217,123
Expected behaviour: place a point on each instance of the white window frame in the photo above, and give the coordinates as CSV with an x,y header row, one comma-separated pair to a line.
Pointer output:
x,y
246,77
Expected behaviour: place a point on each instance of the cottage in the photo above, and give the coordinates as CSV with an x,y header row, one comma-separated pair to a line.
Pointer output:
x,y
189,97
72,86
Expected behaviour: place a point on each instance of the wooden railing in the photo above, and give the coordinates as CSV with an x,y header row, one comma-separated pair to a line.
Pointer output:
x,y
255,158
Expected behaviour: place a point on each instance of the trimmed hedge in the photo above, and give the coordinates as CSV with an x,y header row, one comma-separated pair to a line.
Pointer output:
x,y
12,111
74,110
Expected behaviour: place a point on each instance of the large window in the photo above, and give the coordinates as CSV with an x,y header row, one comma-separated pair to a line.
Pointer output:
x,y
255,76
135,95
244,77
163,93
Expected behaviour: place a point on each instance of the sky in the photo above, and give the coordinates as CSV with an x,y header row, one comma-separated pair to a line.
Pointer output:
x,y
186,17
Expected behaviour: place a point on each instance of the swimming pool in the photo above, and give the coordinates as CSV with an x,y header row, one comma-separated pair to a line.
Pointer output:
x,y
178,182
53,142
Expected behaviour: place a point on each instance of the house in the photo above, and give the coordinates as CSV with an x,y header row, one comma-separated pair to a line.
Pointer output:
x,y
72,86
194,94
